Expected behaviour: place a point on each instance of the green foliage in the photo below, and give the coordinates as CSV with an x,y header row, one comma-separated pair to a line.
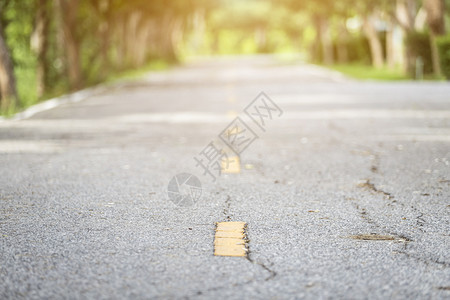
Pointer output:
x,y
364,71
101,33
154,65
358,49
444,54
17,21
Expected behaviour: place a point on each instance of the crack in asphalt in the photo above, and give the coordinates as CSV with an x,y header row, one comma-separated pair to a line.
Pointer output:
x,y
218,288
425,260
262,265
375,164
420,222
226,210
364,215
369,185
272,273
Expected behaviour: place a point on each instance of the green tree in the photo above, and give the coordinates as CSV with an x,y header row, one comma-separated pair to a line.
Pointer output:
x,y
8,93
436,21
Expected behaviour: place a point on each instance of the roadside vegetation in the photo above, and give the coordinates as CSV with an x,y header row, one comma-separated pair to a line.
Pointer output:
x,y
365,71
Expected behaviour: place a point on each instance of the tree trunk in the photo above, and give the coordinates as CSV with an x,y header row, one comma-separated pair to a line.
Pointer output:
x,y
316,54
390,51
260,39
176,36
376,47
8,93
121,29
342,50
152,49
435,15
58,46
405,13
40,42
131,38
199,28
103,33
167,38
435,19
435,57
327,44
69,24
142,37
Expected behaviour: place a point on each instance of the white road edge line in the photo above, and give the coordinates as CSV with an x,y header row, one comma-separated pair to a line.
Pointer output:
x,y
58,101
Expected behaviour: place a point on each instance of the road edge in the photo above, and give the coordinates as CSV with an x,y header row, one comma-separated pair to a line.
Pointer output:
x,y
58,101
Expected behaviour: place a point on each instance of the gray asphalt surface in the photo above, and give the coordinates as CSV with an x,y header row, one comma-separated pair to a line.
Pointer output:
x,y
84,211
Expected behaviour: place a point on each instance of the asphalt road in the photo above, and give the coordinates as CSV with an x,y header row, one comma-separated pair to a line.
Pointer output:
x,y
84,209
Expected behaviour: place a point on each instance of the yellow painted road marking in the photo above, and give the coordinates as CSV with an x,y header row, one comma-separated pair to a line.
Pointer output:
x,y
231,99
232,114
230,234
231,165
229,242
249,166
230,239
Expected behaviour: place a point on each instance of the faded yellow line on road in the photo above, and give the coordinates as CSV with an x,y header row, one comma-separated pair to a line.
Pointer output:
x,y
230,239
231,165
231,99
232,114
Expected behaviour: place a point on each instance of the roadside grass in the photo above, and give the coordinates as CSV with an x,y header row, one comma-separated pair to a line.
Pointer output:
x,y
361,71
26,84
153,66
26,91
355,70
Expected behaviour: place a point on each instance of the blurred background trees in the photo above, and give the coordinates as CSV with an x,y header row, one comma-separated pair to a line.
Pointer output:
x,y
50,47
